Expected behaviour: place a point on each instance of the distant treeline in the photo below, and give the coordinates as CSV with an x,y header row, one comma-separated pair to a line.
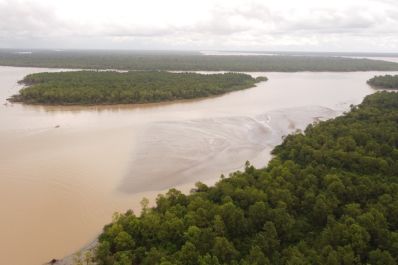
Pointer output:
x,y
187,61
384,81
111,87
329,196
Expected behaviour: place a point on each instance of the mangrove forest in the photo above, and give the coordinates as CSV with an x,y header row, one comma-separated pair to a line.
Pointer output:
x,y
111,87
329,196
190,61
384,81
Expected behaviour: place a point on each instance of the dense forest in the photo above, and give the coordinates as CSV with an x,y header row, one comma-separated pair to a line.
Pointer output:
x,y
111,87
384,81
329,196
188,61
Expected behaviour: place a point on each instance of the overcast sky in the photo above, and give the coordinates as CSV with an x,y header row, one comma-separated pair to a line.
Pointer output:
x,y
285,25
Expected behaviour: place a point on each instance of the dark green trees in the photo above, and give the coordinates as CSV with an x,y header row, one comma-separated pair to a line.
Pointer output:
x,y
190,61
109,87
329,196
384,81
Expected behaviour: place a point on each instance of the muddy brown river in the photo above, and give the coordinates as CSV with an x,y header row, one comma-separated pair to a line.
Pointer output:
x,y
65,170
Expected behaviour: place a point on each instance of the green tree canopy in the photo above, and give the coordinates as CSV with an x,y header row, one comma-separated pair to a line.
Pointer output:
x,y
329,196
111,87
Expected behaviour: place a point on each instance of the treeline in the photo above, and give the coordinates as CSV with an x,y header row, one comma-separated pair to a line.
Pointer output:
x,y
330,196
384,81
110,87
188,61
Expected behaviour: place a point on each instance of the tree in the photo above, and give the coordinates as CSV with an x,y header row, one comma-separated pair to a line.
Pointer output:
x,y
257,257
123,258
123,241
379,257
268,239
188,254
219,226
323,204
224,250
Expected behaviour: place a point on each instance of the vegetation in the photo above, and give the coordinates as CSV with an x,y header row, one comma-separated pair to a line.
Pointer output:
x,y
188,61
329,196
384,81
109,87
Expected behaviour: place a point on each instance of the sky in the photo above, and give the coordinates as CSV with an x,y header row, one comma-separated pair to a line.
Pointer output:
x,y
258,25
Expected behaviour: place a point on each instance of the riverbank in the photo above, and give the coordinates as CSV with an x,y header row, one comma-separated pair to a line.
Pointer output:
x,y
69,179
238,220
83,256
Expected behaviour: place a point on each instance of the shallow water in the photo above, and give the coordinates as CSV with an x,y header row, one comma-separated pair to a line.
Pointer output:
x,y
59,186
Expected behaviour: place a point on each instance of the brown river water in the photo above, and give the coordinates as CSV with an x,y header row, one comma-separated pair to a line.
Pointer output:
x,y
65,170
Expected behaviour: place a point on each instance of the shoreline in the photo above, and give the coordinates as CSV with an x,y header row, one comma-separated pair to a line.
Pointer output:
x,y
70,259
185,188
247,102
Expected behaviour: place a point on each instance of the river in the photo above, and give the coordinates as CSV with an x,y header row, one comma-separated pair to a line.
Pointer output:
x,y
65,170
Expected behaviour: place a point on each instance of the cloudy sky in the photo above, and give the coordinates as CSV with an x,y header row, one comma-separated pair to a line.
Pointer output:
x,y
285,25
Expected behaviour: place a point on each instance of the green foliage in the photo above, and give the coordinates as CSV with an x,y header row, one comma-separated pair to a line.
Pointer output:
x,y
329,196
190,61
110,87
384,81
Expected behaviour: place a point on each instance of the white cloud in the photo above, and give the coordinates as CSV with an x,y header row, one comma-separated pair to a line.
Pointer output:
x,y
208,24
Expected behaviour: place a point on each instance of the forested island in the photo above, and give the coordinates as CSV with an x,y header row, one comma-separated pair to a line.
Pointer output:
x,y
329,196
384,81
111,87
188,61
